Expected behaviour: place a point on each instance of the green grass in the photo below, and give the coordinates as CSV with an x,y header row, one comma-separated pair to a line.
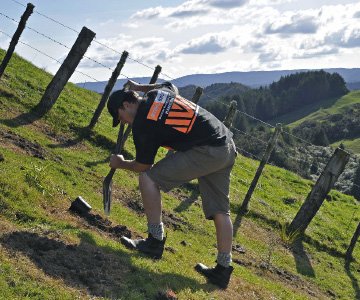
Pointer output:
x,y
35,195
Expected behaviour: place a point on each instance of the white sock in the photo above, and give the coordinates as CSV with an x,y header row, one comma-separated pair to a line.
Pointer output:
x,y
156,230
224,259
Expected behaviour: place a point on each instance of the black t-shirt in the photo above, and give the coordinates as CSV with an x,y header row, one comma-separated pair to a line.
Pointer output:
x,y
166,119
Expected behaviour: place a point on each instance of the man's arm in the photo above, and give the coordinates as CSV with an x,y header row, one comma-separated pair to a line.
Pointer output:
x,y
118,162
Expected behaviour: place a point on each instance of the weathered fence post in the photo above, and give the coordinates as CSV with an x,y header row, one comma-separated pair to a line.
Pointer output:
x,y
353,242
16,36
153,80
316,197
110,85
197,95
231,113
65,71
262,164
155,76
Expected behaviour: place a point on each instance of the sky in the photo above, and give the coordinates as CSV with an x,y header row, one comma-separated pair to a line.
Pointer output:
x,y
188,37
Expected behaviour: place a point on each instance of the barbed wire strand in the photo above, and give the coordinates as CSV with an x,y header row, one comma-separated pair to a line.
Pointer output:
x,y
50,57
47,17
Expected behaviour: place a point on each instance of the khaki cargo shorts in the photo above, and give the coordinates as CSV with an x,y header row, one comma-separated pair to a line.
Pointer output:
x,y
210,165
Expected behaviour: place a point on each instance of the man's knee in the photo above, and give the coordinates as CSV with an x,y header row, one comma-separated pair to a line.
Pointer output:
x,y
145,180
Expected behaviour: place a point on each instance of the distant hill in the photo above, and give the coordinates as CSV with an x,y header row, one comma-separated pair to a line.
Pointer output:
x,y
252,79
214,90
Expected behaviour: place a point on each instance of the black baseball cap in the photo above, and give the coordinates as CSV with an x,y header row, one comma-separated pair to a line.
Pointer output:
x,y
114,103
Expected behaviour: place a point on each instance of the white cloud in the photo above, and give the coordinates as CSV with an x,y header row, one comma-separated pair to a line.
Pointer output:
x,y
269,2
149,13
316,52
348,37
218,36
108,22
291,23
226,4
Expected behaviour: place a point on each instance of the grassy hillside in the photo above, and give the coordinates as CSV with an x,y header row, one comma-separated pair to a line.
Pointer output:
x,y
48,252
327,111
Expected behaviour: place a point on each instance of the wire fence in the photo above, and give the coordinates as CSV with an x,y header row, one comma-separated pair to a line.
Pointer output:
x,y
251,173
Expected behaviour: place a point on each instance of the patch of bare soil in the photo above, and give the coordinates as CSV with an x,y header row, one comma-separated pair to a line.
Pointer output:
x,y
97,222
82,266
92,270
24,146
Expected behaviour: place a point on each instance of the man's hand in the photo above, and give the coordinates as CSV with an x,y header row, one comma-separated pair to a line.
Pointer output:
x,y
137,87
117,161
131,86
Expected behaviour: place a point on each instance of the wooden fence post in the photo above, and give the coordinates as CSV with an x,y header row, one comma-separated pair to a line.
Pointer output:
x,y
353,242
262,164
231,113
155,76
196,97
153,80
16,36
110,85
65,71
316,197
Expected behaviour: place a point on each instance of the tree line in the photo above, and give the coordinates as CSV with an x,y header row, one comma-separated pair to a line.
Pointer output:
x,y
287,95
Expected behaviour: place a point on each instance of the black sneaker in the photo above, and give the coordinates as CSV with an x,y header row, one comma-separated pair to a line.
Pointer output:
x,y
150,246
219,275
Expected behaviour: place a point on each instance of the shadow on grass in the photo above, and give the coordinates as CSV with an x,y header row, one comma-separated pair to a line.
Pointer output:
x,y
81,133
102,271
25,118
354,280
251,214
303,263
195,193
237,222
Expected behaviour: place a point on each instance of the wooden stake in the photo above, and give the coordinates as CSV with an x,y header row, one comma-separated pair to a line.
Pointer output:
x,y
110,85
16,36
353,242
65,71
263,162
316,197
231,114
197,95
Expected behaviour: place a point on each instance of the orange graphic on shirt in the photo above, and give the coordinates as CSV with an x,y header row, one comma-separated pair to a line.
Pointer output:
x,y
155,111
182,115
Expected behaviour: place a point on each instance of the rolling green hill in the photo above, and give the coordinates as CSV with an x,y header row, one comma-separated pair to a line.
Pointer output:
x,y
339,117
49,252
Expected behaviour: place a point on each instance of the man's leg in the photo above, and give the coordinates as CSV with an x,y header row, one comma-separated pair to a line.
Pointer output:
x,y
224,232
153,246
220,275
150,194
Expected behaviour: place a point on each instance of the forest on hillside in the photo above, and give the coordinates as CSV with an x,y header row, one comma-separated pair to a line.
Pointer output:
x,y
287,95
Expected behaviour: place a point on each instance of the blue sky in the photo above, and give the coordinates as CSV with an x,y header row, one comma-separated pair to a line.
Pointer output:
x,y
195,36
